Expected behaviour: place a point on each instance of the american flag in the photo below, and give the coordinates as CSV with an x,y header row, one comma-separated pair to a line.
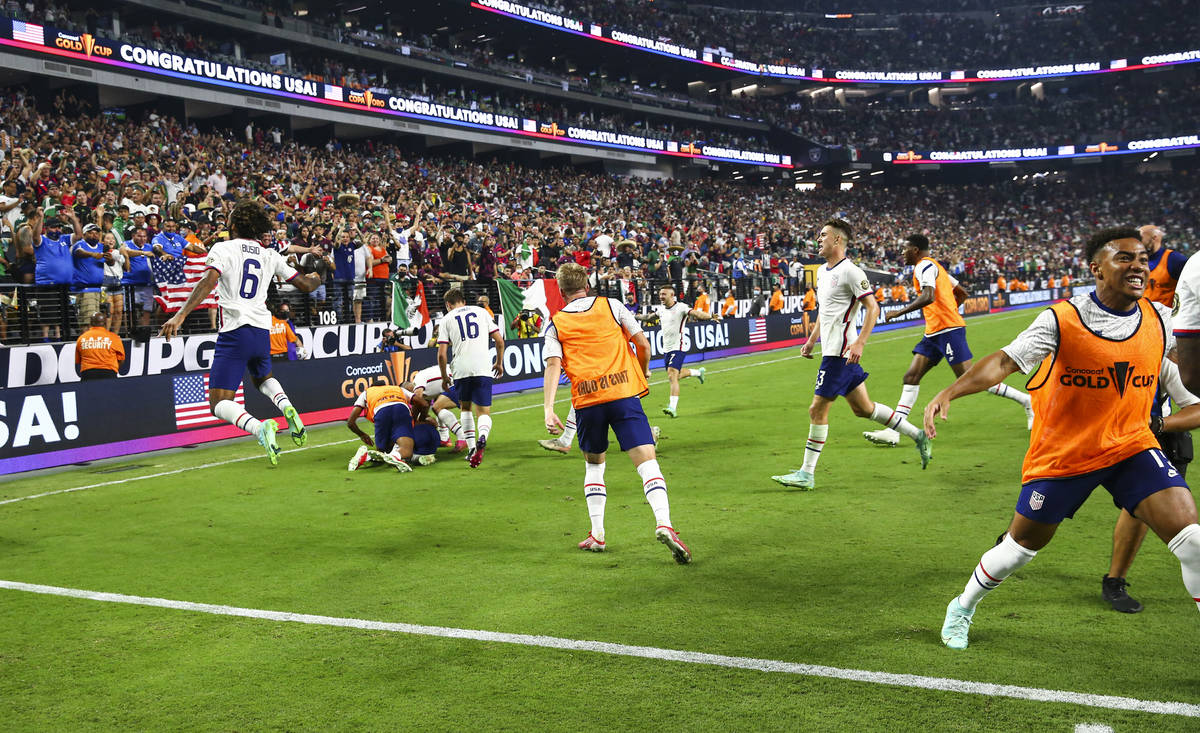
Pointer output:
x,y
191,401
758,330
28,32
333,93
175,279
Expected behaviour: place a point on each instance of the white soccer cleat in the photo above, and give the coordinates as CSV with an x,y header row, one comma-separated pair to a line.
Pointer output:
x,y
656,433
396,462
591,544
427,460
552,444
669,537
885,436
361,458
1029,417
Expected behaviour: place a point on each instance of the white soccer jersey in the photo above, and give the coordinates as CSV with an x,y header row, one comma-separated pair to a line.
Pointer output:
x,y
1187,292
246,270
840,290
431,379
672,320
468,329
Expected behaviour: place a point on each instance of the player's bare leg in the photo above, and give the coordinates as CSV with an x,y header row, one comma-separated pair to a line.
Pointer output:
x,y
273,391
908,397
1127,539
818,431
1171,513
220,401
861,404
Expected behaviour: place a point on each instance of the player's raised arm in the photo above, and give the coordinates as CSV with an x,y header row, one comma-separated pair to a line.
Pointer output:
x,y
701,315
987,372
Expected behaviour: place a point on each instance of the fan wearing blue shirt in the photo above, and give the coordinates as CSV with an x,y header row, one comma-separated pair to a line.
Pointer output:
x,y
139,252
89,258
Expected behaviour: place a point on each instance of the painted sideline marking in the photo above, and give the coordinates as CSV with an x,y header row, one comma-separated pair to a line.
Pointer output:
x,y
228,461
645,652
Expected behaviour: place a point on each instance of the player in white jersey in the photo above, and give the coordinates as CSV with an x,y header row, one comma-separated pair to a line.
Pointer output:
x,y
428,384
464,333
1187,323
842,289
673,315
241,270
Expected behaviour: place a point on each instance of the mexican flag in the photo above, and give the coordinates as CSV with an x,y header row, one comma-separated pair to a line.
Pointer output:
x,y
405,313
541,296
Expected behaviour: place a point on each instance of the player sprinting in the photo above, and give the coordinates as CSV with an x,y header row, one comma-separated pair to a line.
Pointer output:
x,y
843,288
392,410
241,270
464,332
589,338
673,315
1094,360
939,297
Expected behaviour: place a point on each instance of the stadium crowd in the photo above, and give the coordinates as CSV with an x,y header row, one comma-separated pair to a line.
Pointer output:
x,y
362,214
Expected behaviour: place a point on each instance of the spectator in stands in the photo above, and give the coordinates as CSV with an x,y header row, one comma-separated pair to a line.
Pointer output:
x,y
458,265
114,272
98,351
89,258
138,252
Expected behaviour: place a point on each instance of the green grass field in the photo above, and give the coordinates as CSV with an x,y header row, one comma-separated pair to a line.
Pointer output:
x,y
855,575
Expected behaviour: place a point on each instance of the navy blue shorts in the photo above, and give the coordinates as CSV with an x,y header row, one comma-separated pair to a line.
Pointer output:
x,y
425,439
674,360
236,350
476,390
624,416
393,421
950,344
1054,499
838,377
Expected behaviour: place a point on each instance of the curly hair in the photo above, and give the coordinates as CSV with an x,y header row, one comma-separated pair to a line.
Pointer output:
x,y
248,220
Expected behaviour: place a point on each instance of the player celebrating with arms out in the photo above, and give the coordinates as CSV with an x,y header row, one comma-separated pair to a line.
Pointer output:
x,y
945,334
1094,359
589,338
673,314
464,332
241,270
842,288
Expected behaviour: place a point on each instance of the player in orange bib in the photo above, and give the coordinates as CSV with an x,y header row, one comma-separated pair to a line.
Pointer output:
x,y
589,339
945,334
391,409
1095,362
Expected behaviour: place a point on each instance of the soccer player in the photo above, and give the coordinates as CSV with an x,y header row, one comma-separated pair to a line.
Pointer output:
x,y
589,338
843,288
464,332
939,297
673,314
562,444
241,269
391,409
1166,265
428,384
1094,360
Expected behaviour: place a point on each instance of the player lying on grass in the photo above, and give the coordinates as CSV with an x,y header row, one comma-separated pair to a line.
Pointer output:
x,y
425,445
392,410
428,384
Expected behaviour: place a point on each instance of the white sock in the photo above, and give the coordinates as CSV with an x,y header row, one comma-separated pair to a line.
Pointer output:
x,y
655,488
232,413
1186,546
451,423
274,392
468,426
673,402
485,426
443,433
885,415
908,398
996,564
1016,395
814,446
595,494
568,433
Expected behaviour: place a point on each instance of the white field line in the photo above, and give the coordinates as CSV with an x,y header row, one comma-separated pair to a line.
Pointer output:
x,y
940,684
228,461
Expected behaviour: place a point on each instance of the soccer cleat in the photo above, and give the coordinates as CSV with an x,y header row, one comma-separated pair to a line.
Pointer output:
x,y
656,433
885,436
1029,417
669,411
591,544
396,462
447,443
299,434
925,448
427,460
266,438
460,446
476,456
1113,591
797,479
552,444
956,626
361,458
670,538
700,374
